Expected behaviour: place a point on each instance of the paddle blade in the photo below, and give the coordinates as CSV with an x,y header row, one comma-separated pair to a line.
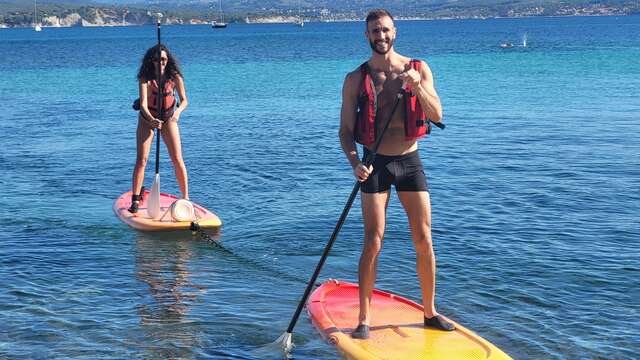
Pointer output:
x,y
279,349
284,342
153,203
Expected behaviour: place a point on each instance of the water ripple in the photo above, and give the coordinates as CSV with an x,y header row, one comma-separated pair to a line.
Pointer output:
x,y
534,190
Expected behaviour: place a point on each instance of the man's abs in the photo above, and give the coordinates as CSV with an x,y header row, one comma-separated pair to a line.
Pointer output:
x,y
393,141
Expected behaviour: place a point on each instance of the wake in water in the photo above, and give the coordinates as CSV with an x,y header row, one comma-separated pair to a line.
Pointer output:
x,y
279,349
508,45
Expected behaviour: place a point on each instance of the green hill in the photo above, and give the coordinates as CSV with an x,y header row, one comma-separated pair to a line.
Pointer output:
x,y
18,13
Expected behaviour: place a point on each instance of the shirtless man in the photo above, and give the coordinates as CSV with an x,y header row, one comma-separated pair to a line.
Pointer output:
x,y
368,97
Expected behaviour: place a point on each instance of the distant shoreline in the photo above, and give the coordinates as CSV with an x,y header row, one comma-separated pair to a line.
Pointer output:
x,y
287,20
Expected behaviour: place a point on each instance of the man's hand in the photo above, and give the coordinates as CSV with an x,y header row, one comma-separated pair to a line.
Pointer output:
x,y
411,77
362,172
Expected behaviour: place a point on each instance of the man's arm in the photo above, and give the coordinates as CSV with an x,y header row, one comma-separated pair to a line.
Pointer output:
x,y
348,114
427,95
422,85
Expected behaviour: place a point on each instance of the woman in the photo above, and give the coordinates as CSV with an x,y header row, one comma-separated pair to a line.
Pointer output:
x,y
149,118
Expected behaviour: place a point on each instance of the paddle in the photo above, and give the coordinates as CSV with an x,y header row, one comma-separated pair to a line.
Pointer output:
x,y
284,341
153,207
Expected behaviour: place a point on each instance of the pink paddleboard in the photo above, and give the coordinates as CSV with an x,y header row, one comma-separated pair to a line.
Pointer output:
x,y
142,221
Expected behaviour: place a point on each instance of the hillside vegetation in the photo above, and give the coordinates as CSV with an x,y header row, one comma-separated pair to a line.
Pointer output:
x,y
95,13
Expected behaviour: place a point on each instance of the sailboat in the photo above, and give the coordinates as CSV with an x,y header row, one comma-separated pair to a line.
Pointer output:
x,y
36,24
219,24
299,20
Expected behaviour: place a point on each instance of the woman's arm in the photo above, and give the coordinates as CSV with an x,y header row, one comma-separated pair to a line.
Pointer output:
x,y
182,93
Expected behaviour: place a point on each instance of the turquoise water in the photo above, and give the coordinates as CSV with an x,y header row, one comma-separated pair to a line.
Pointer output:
x,y
535,187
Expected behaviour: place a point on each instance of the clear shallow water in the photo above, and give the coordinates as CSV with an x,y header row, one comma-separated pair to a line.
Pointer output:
x,y
535,187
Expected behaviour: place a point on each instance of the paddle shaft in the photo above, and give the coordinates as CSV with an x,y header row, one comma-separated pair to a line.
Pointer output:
x,y
160,98
367,161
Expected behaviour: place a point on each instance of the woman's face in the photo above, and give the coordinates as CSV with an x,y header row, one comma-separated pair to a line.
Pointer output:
x,y
163,61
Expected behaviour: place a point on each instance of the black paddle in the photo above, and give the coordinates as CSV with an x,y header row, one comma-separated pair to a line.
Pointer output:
x,y
160,97
285,339
153,207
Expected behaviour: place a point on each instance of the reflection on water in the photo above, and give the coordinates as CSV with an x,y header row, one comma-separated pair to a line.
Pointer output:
x,y
162,263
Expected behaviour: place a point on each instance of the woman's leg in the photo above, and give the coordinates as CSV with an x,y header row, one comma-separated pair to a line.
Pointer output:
x,y
171,137
144,138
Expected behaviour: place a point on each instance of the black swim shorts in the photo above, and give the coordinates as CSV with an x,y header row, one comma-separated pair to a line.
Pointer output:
x,y
405,172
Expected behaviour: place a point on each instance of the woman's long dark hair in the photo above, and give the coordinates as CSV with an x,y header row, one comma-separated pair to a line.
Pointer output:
x,y
147,70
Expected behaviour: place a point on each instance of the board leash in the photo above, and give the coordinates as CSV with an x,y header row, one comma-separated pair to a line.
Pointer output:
x,y
196,229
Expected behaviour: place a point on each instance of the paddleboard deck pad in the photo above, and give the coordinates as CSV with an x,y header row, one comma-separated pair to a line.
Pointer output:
x,y
142,221
396,332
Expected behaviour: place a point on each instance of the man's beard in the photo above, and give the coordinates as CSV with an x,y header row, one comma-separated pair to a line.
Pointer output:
x,y
374,48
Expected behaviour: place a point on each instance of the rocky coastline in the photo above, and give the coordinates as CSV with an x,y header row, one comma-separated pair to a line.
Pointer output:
x,y
93,17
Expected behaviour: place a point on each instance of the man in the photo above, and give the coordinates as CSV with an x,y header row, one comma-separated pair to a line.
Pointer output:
x,y
369,98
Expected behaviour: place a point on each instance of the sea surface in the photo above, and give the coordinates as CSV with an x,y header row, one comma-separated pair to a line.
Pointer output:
x,y
535,188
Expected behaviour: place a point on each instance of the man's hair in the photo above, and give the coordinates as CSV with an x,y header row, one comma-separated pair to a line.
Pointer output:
x,y
375,14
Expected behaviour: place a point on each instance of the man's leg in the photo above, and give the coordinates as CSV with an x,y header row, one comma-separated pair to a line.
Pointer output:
x,y
417,205
418,208
373,212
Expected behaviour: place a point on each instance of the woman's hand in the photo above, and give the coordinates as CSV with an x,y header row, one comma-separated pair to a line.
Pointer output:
x,y
156,123
362,172
175,118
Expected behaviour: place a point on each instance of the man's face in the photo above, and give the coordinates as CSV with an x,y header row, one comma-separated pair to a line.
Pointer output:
x,y
381,34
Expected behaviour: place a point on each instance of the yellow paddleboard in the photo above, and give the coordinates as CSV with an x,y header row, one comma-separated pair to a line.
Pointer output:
x,y
396,331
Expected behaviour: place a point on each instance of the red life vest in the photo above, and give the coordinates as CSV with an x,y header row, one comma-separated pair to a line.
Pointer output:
x,y
168,102
416,124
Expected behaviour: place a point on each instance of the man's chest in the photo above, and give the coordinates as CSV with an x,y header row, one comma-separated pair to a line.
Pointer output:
x,y
387,86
